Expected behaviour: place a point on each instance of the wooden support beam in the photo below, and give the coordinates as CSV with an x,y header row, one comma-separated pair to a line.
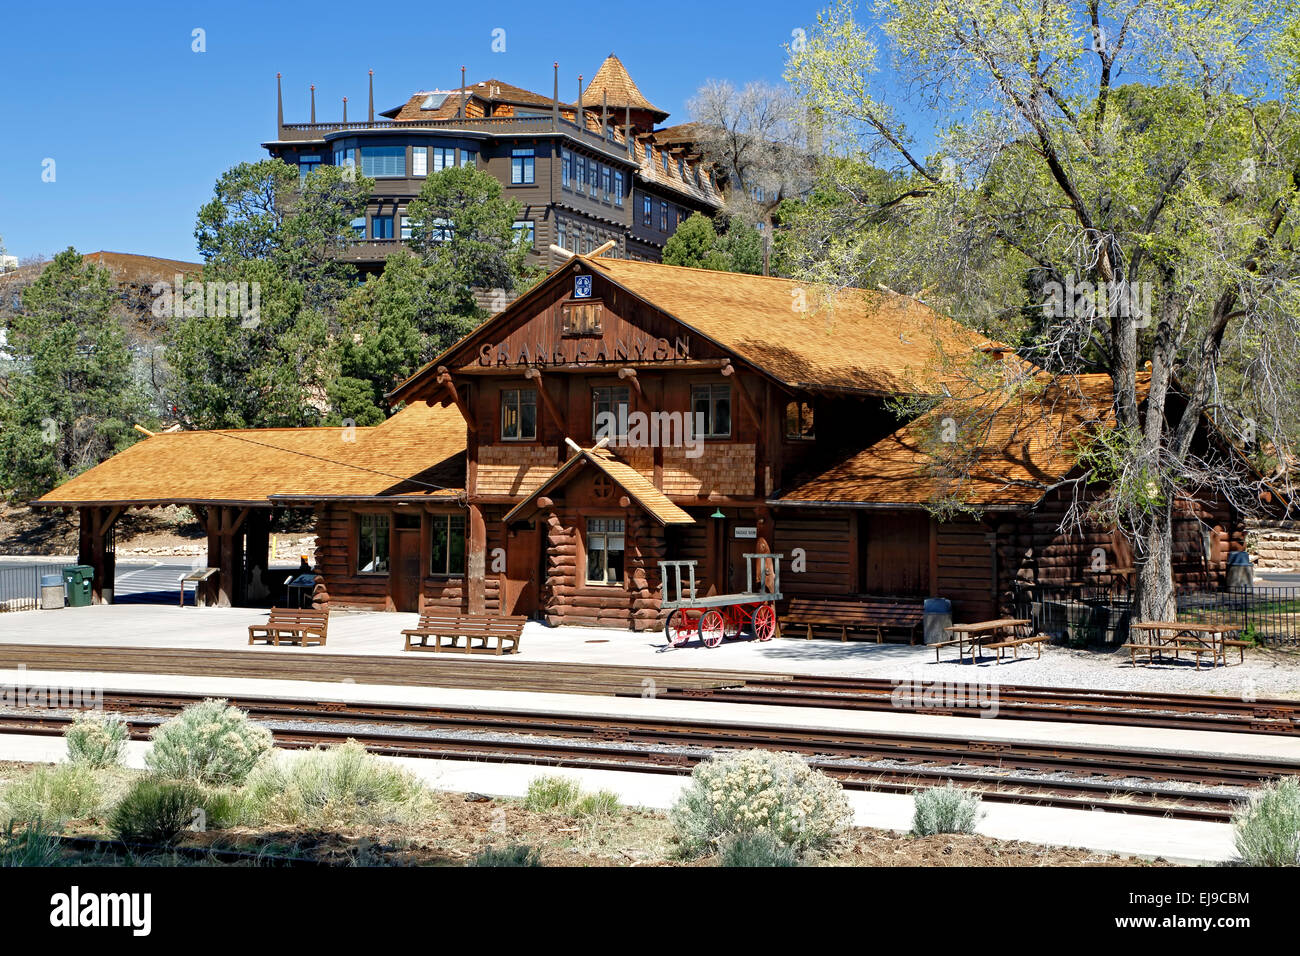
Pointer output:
x,y
476,563
444,378
535,375
628,374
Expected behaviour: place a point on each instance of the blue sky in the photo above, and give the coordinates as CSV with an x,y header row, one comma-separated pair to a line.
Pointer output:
x,y
139,126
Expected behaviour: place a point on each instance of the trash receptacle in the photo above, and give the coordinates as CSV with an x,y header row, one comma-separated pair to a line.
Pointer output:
x,y
52,591
1241,573
77,577
938,615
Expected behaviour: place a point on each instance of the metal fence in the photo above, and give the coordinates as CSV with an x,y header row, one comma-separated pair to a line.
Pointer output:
x,y
1100,615
20,587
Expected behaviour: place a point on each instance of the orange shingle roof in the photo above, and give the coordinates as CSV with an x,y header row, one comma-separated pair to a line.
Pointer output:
x,y
613,85
1004,455
419,452
638,487
852,338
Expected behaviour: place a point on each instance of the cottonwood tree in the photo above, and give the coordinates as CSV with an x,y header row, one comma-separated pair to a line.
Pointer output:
x,y
1169,202
756,140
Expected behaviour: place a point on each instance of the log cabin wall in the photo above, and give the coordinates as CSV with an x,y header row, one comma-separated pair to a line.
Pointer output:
x,y
820,552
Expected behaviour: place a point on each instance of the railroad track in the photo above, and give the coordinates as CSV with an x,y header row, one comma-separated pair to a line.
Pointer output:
x,y
1115,779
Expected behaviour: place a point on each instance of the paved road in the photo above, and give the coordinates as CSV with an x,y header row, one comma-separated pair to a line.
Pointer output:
x,y
136,580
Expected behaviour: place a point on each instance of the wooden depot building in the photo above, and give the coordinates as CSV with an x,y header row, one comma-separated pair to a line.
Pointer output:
x,y
622,412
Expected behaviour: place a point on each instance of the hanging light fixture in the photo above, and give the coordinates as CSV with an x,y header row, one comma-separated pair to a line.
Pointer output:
x,y
717,513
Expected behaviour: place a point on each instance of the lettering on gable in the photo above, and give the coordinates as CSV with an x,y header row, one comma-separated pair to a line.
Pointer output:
x,y
583,352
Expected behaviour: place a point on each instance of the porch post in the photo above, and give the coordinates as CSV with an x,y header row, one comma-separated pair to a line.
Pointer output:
x,y
476,569
92,547
224,551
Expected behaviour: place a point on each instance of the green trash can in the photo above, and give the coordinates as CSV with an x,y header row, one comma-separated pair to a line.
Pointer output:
x,y
77,578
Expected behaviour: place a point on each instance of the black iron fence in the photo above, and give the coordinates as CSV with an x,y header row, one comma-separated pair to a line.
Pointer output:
x,y
1101,615
20,587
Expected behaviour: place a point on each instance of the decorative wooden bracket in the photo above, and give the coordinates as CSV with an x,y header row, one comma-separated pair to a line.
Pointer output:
x,y
535,375
629,375
444,378
729,371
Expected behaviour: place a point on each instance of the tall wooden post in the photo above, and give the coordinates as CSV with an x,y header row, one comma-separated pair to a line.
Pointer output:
x,y
92,547
476,569
225,551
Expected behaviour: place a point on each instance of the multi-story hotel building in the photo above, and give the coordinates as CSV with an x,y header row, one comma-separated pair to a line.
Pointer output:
x,y
585,173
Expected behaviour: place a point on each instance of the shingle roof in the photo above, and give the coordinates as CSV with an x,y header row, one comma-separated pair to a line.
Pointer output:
x,y
638,487
419,452
851,338
613,85
1003,455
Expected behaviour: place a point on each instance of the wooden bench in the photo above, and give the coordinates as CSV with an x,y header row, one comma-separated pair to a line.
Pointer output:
x,y
1177,646
850,615
1239,645
1038,640
448,627
305,626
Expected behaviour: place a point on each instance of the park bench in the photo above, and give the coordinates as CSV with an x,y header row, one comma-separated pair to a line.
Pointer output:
x,y
1153,651
855,615
1038,640
304,626
1157,638
495,634
1239,645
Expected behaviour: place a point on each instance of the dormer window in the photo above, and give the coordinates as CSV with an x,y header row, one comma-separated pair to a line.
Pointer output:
x,y
433,101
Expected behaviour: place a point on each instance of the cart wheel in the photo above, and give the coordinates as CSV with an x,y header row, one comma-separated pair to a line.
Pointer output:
x,y
712,627
678,628
764,622
733,621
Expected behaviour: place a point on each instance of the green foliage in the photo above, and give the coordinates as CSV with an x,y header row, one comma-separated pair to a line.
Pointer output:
x,y
156,811
516,854
759,791
55,794
209,743
1267,830
944,810
32,845
97,739
552,793
697,244
755,849
342,784
74,399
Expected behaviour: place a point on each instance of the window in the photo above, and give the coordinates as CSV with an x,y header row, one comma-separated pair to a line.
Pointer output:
x,y
372,544
799,421
566,168
406,227
359,227
307,164
469,157
343,156
518,414
604,550
444,157
562,234
618,190
381,227
610,405
524,231
711,405
664,156
663,217
383,160
580,173
645,211
420,161
606,177
448,544
522,167
681,169
440,230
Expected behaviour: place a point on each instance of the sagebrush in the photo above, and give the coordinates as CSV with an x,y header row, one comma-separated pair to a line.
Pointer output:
x,y
945,810
553,793
755,849
517,854
55,794
157,811
1267,830
210,743
97,739
759,791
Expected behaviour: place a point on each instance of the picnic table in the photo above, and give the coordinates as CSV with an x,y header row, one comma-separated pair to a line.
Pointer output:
x,y
998,634
1157,638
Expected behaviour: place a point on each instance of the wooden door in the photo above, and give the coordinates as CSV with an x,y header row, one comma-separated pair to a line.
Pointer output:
x,y
407,569
895,553
523,569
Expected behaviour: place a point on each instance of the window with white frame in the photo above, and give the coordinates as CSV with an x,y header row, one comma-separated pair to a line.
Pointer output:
x,y
469,157
420,161
524,232
444,157
605,551
566,168
618,189
711,405
523,166
383,161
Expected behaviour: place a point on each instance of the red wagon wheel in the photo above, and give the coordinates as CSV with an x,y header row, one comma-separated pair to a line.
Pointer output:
x,y
764,622
712,627
733,621
679,627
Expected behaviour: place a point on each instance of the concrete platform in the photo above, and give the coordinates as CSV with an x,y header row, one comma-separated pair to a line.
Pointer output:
x,y
900,723
1179,841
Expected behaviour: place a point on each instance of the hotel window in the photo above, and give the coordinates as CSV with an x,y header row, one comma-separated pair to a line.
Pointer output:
x,y
307,164
681,169
663,217
406,227
711,405
525,232
420,161
566,168
580,174
444,157
664,157
606,178
610,407
372,544
441,230
469,157
518,414
448,545
359,227
523,170
618,190
799,421
381,227
343,156
562,234
383,160
645,211
604,550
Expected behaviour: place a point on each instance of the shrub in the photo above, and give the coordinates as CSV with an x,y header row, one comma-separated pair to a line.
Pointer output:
x,y
602,803
33,845
65,791
755,849
944,810
517,854
759,791
343,783
1267,830
208,743
97,739
156,811
552,793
